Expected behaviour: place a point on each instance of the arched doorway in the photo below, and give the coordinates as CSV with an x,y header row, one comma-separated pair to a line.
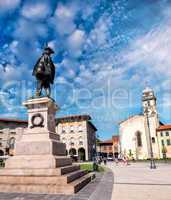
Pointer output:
x,y
1,153
138,144
72,152
139,139
81,154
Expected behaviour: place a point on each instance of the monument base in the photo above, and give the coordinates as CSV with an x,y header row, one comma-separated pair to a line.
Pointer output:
x,y
40,164
65,180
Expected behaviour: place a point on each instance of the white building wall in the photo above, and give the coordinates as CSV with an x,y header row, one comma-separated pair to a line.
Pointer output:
x,y
139,123
128,140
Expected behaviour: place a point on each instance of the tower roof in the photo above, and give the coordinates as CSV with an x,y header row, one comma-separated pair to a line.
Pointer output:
x,y
148,94
147,90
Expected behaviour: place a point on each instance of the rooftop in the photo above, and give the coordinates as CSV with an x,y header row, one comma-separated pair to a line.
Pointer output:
x,y
164,127
13,120
131,117
106,142
71,118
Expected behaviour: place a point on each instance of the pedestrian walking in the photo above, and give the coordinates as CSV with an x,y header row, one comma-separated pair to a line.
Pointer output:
x,y
125,160
105,160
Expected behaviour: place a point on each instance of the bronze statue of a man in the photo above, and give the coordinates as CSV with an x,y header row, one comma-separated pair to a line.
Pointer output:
x,y
44,71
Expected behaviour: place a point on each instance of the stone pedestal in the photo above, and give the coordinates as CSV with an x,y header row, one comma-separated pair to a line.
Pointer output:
x,y
39,146
40,164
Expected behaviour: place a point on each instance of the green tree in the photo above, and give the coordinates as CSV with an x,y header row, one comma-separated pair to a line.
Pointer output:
x,y
130,154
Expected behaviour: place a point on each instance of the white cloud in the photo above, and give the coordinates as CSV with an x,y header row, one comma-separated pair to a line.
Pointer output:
x,y
36,11
152,51
75,42
53,44
29,30
64,12
14,73
100,33
76,39
27,33
64,18
146,58
7,5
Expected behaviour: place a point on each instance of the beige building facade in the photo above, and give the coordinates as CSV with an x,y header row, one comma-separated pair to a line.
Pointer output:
x,y
109,148
8,138
138,132
164,140
8,134
79,135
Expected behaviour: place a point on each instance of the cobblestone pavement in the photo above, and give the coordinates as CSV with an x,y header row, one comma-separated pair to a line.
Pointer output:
x,y
99,189
138,182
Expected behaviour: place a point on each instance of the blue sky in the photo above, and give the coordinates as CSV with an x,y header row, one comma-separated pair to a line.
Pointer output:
x,y
106,52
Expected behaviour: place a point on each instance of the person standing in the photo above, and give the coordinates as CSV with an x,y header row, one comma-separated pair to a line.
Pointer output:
x,y
105,160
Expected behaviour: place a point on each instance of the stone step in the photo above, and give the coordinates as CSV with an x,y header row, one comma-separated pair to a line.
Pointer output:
x,y
51,188
57,180
62,162
39,172
78,184
75,175
38,189
68,169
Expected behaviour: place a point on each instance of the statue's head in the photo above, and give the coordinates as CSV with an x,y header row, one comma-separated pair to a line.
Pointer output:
x,y
48,50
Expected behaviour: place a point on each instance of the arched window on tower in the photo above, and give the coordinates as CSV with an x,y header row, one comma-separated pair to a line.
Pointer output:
x,y
139,139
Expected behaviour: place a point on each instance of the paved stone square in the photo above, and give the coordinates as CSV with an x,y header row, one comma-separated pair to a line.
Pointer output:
x,y
138,182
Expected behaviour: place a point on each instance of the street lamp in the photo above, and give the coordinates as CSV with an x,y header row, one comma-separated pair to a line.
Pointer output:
x,y
152,161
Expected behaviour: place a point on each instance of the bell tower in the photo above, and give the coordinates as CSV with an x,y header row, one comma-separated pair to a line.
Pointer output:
x,y
151,120
149,102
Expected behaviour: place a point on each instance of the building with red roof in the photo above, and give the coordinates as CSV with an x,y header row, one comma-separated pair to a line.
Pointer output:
x,y
110,147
